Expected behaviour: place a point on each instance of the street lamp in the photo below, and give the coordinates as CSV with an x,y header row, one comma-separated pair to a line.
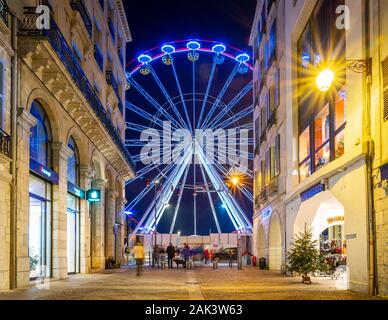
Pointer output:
x,y
156,183
325,80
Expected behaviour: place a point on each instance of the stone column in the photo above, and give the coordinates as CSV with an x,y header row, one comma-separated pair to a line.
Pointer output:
x,y
111,196
25,122
98,228
61,154
86,175
120,235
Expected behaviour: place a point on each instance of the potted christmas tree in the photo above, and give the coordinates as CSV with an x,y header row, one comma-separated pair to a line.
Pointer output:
x,y
305,258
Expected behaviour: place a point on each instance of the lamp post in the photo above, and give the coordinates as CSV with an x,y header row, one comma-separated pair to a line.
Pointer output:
x,y
156,183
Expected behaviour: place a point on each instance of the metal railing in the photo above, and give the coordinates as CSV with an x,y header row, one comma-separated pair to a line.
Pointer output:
x,y
4,11
69,60
5,144
79,6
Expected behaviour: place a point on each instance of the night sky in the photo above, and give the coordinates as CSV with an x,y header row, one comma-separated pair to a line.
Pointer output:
x,y
154,23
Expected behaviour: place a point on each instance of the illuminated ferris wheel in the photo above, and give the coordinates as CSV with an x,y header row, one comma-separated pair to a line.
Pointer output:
x,y
189,129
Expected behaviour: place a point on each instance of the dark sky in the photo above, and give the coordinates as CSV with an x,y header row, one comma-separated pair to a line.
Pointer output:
x,y
154,23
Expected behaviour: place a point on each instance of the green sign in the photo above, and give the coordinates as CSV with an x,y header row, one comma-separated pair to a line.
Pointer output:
x,y
94,195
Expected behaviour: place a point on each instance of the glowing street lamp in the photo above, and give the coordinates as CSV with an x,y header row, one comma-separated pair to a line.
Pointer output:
x,y
325,80
235,180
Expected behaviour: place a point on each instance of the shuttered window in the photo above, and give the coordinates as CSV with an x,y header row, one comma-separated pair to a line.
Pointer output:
x,y
385,86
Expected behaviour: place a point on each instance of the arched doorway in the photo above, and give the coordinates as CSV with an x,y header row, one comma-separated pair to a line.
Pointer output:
x,y
40,194
261,242
325,216
275,244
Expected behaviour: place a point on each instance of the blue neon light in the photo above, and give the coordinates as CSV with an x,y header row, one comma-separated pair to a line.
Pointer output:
x,y
143,58
193,45
242,58
219,48
168,49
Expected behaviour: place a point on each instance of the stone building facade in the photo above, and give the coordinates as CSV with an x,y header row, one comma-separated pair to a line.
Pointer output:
x,y
267,39
70,139
6,54
335,137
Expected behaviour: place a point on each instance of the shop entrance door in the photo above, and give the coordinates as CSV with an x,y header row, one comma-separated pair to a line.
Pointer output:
x,y
73,247
37,238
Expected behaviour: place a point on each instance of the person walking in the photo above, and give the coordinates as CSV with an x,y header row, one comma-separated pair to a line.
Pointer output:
x,y
170,255
231,259
206,255
155,256
139,255
186,254
126,251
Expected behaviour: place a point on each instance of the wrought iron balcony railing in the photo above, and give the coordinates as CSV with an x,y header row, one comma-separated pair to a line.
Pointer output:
x,y
272,120
4,11
69,60
79,6
99,56
5,144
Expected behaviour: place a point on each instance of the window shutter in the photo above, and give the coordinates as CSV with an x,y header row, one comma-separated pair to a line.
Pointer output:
x,y
385,88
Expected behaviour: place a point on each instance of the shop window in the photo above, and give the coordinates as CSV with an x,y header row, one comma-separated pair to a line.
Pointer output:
x,y
73,163
321,138
339,143
40,138
304,154
340,124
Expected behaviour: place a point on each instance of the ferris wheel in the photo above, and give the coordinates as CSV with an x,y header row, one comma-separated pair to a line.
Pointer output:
x,y
189,129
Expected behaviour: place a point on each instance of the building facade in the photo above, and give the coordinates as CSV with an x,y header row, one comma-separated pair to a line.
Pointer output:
x,y
71,160
379,131
267,39
6,54
335,136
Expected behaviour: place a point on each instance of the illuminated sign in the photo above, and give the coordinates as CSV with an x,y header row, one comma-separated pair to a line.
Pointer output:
x,y
44,172
94,195
267,214
335,219
312,192
75,191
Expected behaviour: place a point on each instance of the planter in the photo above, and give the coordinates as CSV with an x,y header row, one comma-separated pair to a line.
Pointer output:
x,y
306,280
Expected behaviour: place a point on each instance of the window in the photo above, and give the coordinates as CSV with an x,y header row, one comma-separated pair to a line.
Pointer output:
x,y
321,116
40,138
321,138
2,104
73,163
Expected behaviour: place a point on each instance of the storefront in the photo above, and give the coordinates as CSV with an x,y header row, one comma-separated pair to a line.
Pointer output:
x,y
74,196
40,195
39,239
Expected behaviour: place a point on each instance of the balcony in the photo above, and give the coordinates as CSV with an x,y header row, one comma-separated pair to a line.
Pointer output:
x,y
67,58
79,6
110,79
5,144
269,190
99,56
4,12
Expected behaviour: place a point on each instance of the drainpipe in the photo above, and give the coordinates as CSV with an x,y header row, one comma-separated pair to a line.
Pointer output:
x,y
14,110
373,280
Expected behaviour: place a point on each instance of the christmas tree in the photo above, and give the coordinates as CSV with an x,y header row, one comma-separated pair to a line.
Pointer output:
x,y
305,257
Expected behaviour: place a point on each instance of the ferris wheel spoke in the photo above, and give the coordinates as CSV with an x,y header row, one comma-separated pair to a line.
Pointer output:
x,y
207,93
230,120
153,102
179,200
167,191
169,100
232,104
145,191
233,208
181,96
220,96
210,200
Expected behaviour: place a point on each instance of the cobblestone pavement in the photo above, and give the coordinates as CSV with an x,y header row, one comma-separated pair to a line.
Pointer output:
x,y
197,284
